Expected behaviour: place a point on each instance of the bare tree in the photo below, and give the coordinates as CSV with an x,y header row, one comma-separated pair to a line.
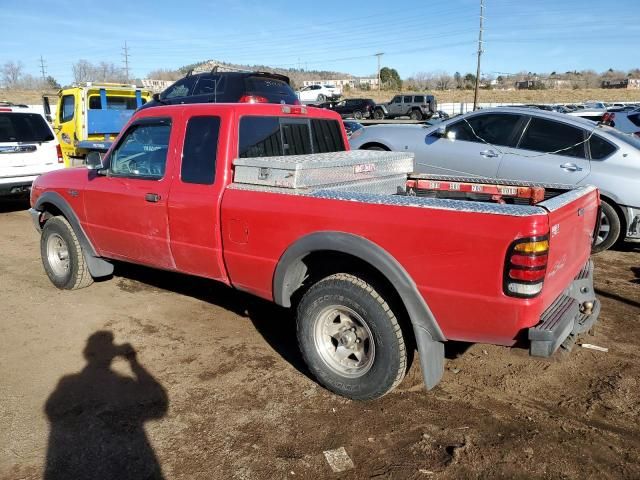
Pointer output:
x,y
82,71
11,73
85,71
164,74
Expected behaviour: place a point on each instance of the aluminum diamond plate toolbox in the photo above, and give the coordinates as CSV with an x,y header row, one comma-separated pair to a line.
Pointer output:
x,y
321,169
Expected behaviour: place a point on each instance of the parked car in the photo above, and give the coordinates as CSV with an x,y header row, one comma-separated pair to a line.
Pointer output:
x,y
357,108
350,126
264,198
414,106
626,121
593,114
28,148
227,87
514,144
319,93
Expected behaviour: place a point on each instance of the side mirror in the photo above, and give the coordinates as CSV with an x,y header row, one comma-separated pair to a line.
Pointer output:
x,y
94,161
441,131
156,97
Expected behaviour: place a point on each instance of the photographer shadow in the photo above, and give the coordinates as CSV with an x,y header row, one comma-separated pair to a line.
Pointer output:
x,y
97,418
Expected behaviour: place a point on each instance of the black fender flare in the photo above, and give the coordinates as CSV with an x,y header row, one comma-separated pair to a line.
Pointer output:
x,y
290,273
98,267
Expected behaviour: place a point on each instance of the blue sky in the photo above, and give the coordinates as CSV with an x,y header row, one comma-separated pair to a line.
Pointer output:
x,y
415,35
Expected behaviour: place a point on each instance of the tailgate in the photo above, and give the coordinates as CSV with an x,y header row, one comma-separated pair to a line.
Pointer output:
x,y
572,220
25,159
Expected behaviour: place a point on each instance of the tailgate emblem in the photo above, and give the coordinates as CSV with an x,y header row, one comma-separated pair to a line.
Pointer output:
x,y
555,229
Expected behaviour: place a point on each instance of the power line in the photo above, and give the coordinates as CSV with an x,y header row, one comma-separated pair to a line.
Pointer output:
x,y
125,55
475,93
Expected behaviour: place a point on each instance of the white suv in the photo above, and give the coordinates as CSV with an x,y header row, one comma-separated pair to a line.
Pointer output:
x,y
28,147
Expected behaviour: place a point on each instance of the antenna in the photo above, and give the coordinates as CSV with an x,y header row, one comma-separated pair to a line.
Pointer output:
x,y
379,54
475,93
125,55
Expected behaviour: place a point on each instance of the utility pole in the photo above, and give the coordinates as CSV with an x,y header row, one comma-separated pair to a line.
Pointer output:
x,y
379,54
475,93
125,55
43,69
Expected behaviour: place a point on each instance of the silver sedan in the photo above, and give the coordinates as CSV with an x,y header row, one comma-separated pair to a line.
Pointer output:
x,y
528,145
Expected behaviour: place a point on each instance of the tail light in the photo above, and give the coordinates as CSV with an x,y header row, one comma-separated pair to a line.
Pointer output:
x,y
608,118
253,99
637,134
59,152
526,266
294,109
5,110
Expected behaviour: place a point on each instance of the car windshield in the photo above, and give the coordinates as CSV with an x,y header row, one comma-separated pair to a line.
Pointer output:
x,y
24,127
624,137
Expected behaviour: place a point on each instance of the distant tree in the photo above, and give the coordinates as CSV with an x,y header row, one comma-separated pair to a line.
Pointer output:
x,y
165,74
85,71
457,77
11,73
52,82
390,78
82,71
469,80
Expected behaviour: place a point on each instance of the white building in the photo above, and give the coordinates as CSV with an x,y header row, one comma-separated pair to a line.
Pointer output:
x,y
156,86
343,82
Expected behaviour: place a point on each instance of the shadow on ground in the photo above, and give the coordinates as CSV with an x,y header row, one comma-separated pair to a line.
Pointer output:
x,y
275,324
97,418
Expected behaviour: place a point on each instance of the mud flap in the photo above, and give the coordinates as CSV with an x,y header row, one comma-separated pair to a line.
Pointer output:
x,y
431,357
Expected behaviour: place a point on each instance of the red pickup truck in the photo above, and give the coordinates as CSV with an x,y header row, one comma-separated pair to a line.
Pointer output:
x,y
268,199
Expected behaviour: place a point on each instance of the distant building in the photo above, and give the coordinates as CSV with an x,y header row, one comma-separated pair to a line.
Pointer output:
x,y
156,86
628,83
558,84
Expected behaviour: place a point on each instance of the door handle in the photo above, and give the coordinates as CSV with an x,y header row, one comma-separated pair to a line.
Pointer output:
x,y
152,197
571,167
488,153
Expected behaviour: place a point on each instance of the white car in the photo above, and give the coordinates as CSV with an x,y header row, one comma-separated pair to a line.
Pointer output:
x,y
28,148
319,93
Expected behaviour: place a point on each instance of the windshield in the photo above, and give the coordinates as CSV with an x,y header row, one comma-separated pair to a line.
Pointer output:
x,y
24,127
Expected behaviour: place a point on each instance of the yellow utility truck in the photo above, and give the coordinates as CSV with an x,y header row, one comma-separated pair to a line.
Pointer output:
x,y
90,115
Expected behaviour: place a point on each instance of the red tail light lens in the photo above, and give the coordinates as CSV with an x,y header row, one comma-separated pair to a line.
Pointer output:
x,y
526,266
253,99
59,151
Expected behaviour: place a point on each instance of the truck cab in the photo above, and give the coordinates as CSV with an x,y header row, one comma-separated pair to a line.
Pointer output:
x,y
89,116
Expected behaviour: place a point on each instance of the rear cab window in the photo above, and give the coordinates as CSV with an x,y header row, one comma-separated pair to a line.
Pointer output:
x,y
24,127
274,136
114,102
200,150
68,108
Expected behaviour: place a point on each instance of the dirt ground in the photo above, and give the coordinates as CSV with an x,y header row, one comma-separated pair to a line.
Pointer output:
x,y
217,389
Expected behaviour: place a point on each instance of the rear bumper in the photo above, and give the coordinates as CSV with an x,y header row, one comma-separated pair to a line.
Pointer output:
x,y
16,185
572,313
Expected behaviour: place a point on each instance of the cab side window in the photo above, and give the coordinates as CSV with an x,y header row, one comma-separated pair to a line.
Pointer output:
x,y
547,136
68,108
142,152
200,150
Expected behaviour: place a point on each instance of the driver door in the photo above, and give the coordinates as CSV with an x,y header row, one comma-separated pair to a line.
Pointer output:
x,y
126,209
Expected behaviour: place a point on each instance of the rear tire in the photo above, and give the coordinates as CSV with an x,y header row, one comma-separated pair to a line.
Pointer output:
x,y
350,338
415,115
62,255
378,114
610,227
321,98
357,115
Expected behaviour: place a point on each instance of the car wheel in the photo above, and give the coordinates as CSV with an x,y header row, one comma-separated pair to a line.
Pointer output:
x,y
350,338
321,98
415,115
357,115
62,255
609,230
378,114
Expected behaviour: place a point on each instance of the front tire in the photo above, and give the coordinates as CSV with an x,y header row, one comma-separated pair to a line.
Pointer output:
x,y
321,98
378,114
357,115
609,230
62,256
350,338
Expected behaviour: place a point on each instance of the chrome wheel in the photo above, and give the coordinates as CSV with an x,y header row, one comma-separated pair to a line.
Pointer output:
x,y
58,255
344,341
605,228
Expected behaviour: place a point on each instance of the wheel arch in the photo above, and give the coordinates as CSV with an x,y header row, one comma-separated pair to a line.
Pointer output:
x,y
53,204
292,271
619,211
368,145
